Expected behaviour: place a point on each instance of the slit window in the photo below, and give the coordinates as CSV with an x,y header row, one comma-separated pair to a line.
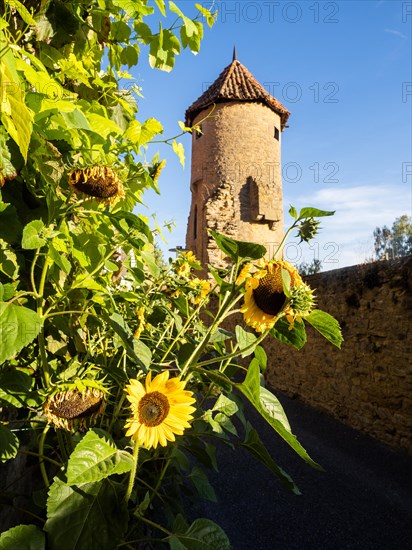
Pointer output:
x,y
195,223
199,131
277,133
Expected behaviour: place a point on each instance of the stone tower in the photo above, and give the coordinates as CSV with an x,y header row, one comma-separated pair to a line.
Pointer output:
x,y
236,168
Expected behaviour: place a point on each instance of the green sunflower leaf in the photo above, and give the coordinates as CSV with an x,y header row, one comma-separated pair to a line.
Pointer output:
x,y
260,355
252,391
293,212
9,445
96,457
19,326
286,282
31,235
16,388
203,533
253,444
250,251
23,537
295,337
327,325
314,213
226,245
89,515
179,149
245,341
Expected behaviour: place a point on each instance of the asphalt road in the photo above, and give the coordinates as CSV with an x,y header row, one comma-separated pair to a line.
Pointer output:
x,y
362,501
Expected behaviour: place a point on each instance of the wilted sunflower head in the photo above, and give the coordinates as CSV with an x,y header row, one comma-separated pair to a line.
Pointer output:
x,y
75,405
265,298
100,182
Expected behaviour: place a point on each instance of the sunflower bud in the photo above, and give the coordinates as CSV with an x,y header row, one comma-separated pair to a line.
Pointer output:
x,y
308,229
302,299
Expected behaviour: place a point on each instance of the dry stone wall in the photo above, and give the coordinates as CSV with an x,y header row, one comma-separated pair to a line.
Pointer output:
x,y
368,383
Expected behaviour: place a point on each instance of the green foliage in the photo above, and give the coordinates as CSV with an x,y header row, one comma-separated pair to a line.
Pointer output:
x,y
395,242
96,458
23,537
310,269
87,515
88,310
326,325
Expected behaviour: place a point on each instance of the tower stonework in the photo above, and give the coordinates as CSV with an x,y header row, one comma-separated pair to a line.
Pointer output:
x,y
236,164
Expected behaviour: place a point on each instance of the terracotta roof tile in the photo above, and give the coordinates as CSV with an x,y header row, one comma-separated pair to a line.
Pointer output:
x,y
235,83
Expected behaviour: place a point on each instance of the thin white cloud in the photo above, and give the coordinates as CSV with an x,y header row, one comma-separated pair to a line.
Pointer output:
x,y
396,33
347,237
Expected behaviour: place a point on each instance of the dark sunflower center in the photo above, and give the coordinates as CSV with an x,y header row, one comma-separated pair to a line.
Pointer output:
x,y
153,409
99,186
267,295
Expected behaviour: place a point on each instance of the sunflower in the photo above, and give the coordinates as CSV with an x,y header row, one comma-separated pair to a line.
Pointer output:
x,y
75,405
264,297
100,182
183,270
201,289
160,409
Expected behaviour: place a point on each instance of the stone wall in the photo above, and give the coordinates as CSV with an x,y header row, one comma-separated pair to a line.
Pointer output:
x,y
368,383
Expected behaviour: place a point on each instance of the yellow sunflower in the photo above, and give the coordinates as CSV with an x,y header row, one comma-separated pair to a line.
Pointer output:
x,y
201,289
264,297
160,409
183,270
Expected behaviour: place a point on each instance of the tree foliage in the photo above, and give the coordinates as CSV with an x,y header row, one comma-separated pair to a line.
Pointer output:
x,y
310,268
395,242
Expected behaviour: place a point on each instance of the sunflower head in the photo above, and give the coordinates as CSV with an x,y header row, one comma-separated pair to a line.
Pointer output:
x,y
100,182
199,290
184,263
161,409
75,405
156,170
265,298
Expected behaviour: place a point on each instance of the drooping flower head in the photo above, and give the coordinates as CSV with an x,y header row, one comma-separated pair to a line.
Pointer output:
x,y
75,405
100,182
265,298
161,409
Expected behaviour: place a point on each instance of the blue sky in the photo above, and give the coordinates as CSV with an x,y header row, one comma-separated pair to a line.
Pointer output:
x,y
343,69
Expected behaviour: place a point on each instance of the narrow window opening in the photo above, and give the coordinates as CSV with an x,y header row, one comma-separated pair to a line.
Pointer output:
x,y
195,223
277,133
199,131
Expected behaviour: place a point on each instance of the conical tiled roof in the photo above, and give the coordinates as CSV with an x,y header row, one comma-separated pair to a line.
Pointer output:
x,y
235,83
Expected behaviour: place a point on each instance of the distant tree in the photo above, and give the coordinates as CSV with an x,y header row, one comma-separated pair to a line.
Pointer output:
x,y
395,242
310,269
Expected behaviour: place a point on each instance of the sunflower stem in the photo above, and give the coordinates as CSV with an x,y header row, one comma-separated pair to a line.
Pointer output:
x,y
132,472
41,455
284,239
198,351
